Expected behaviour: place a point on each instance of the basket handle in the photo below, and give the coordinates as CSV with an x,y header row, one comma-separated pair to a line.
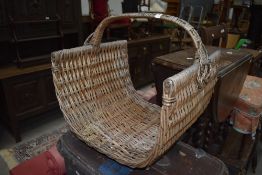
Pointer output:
x,y
201,54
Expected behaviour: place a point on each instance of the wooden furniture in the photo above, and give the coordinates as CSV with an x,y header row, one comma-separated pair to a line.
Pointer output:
x,y
211,130
239,151
173,7
172,63
54,41
31,29
25,93
181,159
214,35
256,68
247,112
141,52
234,66
4,34
224,10
238,8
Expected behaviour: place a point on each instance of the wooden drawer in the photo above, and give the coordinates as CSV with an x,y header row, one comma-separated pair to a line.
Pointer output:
x,y
23,95
28,95
139,50
161,47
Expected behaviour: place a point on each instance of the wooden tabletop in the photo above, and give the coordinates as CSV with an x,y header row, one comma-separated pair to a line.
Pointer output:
x,y
257,54
185,58
12,70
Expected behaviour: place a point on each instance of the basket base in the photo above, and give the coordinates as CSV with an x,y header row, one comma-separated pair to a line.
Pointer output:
x,y
181,158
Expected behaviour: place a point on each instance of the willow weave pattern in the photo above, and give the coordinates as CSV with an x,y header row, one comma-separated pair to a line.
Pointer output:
x,y
99,102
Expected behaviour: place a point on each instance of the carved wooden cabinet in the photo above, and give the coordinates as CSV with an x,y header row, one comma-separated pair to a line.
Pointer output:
x,y
4,34
24,94
31,29
140,53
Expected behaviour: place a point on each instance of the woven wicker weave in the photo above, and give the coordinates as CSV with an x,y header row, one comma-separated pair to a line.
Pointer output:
x,y
99,102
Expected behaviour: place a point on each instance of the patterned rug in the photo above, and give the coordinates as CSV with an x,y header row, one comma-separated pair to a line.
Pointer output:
x,y
26,150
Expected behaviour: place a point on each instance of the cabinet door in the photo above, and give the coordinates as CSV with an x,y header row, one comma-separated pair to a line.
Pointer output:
x,y
69,11
141,53
32,9
4,33
25,94
137,71
51,100
138,58
160,47
30,94
2,14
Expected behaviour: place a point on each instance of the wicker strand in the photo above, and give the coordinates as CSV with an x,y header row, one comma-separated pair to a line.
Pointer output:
x,y
101,106
201,55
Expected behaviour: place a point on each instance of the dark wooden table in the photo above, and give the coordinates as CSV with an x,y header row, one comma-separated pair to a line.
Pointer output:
x,y
233,68
25,93
211,131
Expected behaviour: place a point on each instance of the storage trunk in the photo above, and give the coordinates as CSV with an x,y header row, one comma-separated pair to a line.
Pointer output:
x,y
181,159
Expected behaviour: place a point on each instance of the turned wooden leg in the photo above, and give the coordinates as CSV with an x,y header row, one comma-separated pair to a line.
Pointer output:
x,y
15,131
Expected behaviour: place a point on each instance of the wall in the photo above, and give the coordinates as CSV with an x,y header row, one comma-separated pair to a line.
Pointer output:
x,y
85,7
115,6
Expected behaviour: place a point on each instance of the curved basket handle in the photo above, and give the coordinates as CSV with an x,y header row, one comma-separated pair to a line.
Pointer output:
x,y
201,54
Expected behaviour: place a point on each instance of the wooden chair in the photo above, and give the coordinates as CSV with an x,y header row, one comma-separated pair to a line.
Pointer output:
x,y
215,35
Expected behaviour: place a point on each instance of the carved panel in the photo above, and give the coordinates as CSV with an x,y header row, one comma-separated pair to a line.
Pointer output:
x,y
32,9
68,16
50,91
66,11
27,96
35,8
2,13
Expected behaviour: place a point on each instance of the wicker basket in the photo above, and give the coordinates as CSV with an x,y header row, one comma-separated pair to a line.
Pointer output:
x,y
100,104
